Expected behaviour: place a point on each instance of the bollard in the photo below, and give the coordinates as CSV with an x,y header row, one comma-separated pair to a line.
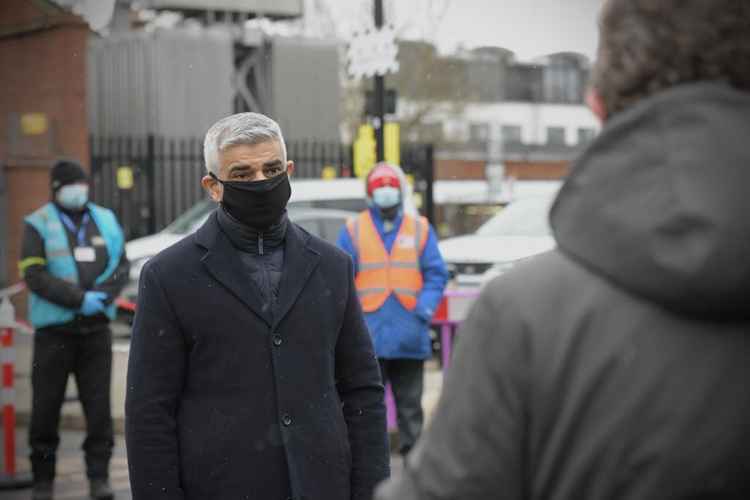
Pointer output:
x,y
10,478
7,355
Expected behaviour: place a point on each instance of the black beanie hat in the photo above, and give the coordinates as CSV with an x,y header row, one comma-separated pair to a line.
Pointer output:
x,y
66,172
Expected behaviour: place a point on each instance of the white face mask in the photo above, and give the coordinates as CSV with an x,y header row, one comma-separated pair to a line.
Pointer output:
x,y
386,197
73,196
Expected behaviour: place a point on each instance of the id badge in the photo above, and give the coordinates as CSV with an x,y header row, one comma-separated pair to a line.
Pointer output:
x,y
84,254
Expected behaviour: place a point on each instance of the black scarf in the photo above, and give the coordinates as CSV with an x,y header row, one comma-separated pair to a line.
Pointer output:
x,y
251,240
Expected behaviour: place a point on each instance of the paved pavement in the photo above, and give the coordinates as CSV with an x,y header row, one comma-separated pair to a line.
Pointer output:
x,y
71,482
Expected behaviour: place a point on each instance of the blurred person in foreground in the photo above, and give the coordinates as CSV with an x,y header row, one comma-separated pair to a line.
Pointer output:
x,y
251,372
74,264
617,366
400,277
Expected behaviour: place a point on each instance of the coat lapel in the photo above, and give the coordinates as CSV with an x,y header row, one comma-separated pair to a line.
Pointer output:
x,y
299,262
223,262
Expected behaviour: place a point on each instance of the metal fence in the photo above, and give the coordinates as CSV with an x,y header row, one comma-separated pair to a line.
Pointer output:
x,y
166,175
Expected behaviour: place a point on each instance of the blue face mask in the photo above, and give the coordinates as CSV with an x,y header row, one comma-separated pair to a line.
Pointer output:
x,y
73,196
386,197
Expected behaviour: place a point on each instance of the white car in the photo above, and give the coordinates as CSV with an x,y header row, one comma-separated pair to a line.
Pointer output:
x,y
339,194
319,206
519,231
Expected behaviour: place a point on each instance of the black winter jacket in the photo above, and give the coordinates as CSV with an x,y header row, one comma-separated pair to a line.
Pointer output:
x,y
617,366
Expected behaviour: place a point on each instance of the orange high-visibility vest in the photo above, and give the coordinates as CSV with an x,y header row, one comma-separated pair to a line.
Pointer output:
x,y
380,274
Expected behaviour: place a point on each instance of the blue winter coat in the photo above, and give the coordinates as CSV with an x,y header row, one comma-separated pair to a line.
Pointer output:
x,y
396,332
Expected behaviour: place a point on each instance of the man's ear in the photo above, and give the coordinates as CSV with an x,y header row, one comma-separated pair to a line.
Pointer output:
x,y
596,104
290,168
215,190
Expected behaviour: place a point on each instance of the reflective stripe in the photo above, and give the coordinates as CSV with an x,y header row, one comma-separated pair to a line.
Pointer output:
x,y
372,266
370,291
8,395
418,234
405,291
30,261
7,355
405,265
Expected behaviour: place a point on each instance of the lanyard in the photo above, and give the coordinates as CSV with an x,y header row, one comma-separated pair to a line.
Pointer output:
x,y
81,232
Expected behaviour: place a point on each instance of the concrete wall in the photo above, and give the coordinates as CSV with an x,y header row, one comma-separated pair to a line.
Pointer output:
x,y
43,61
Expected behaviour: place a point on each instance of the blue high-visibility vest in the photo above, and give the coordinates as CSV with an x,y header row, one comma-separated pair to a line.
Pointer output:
x,y
61,264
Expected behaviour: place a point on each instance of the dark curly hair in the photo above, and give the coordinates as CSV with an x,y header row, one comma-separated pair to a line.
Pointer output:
x,y
647,46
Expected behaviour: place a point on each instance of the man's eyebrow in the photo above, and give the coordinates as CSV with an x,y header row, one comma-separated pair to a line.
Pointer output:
x,y
272,163
239,166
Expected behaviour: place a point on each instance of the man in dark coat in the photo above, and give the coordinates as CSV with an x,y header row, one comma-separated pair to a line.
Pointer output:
x,y
252,374
617,366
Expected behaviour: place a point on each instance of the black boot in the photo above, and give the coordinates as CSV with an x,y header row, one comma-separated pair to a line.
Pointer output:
x,y
100,489
42,490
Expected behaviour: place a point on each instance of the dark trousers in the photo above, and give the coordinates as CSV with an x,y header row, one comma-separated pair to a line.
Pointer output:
x,y
89,358
406,377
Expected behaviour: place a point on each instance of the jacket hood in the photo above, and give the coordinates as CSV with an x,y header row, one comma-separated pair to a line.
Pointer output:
x,y
660,202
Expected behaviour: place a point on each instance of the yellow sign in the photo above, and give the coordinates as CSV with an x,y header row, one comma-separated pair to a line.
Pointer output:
x,y
329,172
364,151
34,123
392,133
125,177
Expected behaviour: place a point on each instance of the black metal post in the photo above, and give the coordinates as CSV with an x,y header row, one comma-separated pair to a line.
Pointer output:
x,y
151,182
379,93
429,173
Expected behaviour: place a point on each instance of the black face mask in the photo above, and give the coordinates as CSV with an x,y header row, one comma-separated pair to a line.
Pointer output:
x,y
258,204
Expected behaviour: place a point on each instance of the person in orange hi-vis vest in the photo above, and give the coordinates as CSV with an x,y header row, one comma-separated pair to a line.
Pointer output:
x,y
400,277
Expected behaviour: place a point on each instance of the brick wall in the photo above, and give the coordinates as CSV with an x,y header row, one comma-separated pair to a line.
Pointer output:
x,y
459,169
523,170
537,171
43,61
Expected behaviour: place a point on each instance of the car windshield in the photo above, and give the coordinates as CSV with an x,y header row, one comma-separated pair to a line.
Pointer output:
x,y
526,217
186,222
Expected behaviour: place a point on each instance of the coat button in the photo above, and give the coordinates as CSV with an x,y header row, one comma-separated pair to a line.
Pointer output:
x,y
286,420
277,340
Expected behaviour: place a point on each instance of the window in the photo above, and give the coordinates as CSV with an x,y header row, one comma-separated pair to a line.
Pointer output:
x,y
511,134
586,135
555,136
479,132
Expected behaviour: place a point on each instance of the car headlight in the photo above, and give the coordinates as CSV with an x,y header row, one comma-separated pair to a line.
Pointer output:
x,y
500,268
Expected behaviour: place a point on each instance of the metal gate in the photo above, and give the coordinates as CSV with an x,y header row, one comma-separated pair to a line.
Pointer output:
x,y
149,181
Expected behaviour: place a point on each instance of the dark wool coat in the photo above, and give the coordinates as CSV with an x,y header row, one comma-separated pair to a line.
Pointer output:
x,y
227,400
618,365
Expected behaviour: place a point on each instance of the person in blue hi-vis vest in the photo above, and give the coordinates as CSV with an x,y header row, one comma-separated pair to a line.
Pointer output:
x,y
74,264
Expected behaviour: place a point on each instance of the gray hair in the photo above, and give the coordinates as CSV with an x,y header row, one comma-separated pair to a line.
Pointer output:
x,y
241,128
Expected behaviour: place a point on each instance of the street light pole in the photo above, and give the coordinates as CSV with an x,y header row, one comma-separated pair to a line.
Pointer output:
x,y
379,94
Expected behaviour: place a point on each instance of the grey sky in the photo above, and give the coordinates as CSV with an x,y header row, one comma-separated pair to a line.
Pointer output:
x,y
528,27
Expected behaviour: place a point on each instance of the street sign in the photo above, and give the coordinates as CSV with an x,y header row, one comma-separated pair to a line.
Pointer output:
x,y
373,53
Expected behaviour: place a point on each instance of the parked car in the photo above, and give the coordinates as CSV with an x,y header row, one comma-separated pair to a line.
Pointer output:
x,y
519,231
319,206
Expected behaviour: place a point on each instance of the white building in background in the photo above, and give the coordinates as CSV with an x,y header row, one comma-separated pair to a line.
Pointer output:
x,y
514,123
